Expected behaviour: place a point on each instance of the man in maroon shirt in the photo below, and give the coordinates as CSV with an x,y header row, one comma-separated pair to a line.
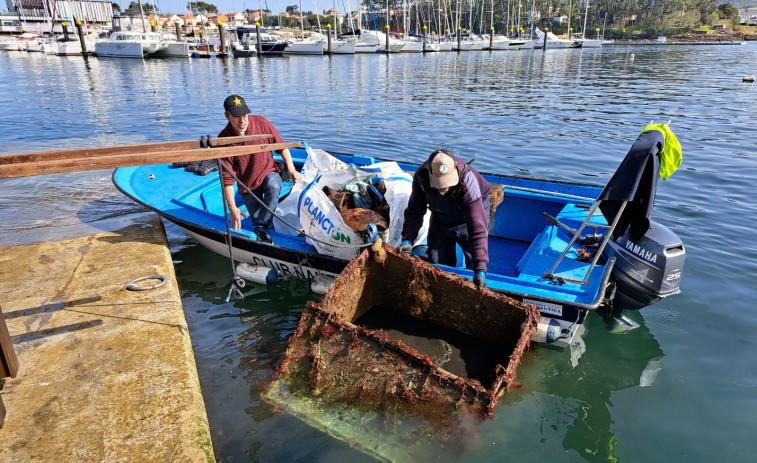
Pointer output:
x,y
256,171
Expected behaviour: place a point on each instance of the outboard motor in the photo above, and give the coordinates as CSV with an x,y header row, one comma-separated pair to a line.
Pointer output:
x,y
648,269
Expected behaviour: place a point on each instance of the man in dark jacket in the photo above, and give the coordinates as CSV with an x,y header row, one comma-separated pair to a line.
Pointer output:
x,y
256,171
458,198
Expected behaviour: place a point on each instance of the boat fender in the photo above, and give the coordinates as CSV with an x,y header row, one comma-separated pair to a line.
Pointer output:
x,y
257,274
548,331
320,283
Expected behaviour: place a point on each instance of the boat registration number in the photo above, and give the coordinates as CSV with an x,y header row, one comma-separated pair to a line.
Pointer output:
x,y
546,307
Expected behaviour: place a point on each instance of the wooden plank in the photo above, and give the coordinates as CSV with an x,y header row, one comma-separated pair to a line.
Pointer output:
x,y
38,156
56,166
2,412
8,361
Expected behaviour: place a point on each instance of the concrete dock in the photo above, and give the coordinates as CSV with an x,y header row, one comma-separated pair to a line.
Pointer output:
x,y
105,373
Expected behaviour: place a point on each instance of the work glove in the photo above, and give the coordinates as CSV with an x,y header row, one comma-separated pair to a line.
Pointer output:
x,y
479,279
406,247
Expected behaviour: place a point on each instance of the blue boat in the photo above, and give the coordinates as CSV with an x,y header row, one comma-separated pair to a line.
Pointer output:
x,y
549,245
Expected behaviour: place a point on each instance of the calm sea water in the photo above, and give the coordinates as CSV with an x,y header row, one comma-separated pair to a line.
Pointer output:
x,y
682,387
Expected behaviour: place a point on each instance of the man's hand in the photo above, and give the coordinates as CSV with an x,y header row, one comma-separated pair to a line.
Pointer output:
x,y
406,247
236,217
294,174
479,279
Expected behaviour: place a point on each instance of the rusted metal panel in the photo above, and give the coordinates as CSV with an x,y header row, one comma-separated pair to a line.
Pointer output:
x,y
332,356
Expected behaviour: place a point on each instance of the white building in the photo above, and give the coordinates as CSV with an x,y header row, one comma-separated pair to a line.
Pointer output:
x,y
35,15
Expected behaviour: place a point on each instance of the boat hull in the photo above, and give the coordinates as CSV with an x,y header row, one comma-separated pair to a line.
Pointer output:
x,y
304,48
119,50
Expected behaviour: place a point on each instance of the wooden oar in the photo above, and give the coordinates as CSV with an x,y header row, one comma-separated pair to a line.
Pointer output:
x,y
109,161
124,149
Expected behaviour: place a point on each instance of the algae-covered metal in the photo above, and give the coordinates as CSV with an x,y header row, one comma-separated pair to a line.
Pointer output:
x,y
335,357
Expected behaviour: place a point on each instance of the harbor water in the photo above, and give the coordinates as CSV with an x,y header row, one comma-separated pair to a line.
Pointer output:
x,y
681,387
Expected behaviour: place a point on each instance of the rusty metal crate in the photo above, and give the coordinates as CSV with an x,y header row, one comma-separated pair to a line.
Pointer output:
x,y
337,359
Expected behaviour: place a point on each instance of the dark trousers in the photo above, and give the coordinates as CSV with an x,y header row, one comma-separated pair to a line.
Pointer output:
x,y
442,239
268,191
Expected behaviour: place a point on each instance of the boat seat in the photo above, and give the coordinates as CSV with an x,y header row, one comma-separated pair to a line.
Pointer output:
x,y
544,252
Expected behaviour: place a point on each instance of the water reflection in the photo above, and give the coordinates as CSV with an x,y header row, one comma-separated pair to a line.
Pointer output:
x,y
568,396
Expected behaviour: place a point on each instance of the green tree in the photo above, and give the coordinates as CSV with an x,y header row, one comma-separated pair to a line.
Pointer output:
x,y
293,9
202,7
134,8
116,7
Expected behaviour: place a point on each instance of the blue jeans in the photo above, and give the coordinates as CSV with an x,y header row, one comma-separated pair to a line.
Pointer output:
x,y
268,191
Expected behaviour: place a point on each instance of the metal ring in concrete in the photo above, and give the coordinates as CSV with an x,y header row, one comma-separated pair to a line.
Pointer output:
x,y
131,286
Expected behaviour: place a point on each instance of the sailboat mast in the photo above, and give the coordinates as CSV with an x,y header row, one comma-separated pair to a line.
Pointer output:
x,y
317,18
583,32
142,13
302,27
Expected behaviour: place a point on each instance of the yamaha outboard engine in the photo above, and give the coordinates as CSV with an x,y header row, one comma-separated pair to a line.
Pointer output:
x,y
648,269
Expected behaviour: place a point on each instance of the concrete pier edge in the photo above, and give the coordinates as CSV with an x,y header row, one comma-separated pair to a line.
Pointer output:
x,y
105,373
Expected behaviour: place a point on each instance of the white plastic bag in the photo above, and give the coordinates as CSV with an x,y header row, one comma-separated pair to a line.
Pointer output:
x,y
308,206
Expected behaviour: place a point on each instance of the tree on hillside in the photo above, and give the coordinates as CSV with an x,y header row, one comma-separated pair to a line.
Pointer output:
x,y
729,14
202,7
293,9
133,8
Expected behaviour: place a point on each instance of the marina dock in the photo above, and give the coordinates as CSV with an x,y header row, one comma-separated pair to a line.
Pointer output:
x,y
105,373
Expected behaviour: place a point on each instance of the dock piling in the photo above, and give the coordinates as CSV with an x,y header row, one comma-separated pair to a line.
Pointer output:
x,y
83,42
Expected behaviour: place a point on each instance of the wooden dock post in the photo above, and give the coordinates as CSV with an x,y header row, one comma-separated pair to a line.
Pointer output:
x,y
223,37
330,51
544,47
258,44
8,361
82,41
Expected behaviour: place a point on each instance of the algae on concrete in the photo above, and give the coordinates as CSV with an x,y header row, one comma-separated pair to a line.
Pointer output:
x,y
105,374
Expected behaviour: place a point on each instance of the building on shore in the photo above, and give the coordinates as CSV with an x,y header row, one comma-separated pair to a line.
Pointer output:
x,y
44,16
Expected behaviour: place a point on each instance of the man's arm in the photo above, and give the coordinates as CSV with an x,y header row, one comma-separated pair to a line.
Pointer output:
x,y
287,157
236,214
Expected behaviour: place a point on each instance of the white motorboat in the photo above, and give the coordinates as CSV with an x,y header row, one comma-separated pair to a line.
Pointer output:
x,y
395,45
172,47
340,47
20,42
72,46
304,47
129,44
363,47
553,41
502,42
411,44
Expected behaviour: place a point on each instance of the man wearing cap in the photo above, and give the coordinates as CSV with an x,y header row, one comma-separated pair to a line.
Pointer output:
x,y
458,198
256,171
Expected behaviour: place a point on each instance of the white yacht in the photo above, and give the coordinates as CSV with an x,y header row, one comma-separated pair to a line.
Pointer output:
x,y
395,45
304,47
553,41
340,47
172,47
129,44
20,42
